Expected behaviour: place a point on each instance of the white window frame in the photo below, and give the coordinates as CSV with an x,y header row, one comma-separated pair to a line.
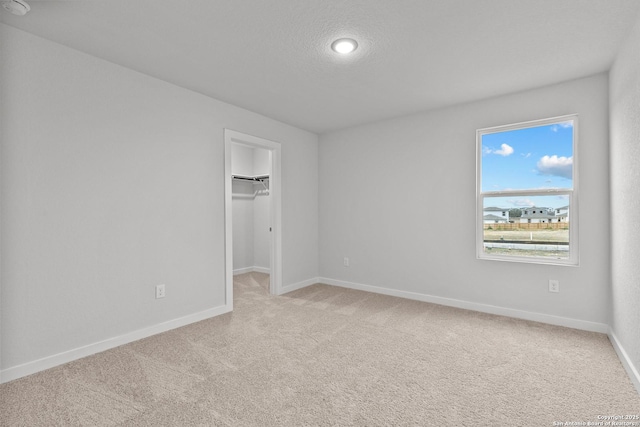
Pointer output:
x,y
573,258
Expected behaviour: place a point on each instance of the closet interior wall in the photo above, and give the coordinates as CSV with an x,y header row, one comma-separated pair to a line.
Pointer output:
x,y
251,217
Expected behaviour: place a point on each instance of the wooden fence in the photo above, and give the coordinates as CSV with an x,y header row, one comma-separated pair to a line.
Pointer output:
x,y
528,226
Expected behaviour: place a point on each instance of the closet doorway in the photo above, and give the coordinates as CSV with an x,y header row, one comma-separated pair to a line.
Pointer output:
x,y
252,209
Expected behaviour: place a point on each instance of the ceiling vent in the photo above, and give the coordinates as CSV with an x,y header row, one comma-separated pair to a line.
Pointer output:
x,y
17,7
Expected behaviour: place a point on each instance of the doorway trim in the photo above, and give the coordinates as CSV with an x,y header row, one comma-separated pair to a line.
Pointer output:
x,y
234,137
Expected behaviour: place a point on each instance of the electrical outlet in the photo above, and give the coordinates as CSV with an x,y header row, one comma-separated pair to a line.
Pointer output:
x,y
159,291
554,285
346,262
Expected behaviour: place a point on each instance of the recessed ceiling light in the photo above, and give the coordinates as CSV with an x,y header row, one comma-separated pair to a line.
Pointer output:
x,y
344,45
17,7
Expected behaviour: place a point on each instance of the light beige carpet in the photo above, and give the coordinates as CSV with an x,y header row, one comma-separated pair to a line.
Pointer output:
x,y
330,356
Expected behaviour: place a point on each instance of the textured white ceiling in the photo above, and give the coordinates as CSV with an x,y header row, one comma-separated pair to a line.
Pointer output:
x,y
273,57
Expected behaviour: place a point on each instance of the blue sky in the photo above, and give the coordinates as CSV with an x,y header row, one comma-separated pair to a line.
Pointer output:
x,y
523,159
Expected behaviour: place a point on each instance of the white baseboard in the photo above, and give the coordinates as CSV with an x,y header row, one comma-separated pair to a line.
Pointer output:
x,y
625,360
251,270
242,270
29,368
295,286
484,308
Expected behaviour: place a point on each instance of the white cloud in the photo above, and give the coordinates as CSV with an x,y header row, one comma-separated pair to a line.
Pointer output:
x,y
505,150
521,203
526,156
565,125
556,166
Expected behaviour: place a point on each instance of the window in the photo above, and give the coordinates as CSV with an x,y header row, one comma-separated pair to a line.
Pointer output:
x,y
529,170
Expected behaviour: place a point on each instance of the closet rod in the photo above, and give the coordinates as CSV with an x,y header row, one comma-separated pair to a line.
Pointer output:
x,y
257,178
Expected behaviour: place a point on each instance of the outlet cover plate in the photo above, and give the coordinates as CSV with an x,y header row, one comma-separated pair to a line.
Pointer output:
x,y
160,291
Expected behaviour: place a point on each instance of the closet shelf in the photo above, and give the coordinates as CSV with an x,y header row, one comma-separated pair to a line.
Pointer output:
x,y
255,179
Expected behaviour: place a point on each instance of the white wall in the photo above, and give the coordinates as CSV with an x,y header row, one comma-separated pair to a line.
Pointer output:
x,y
113,182
251,216
241,160
384,186
624,105
243,232
261,162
